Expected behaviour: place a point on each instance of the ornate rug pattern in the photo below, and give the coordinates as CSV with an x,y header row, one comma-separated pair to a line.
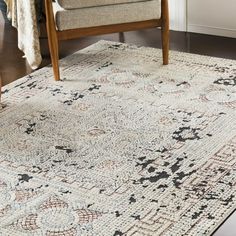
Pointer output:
x,y
121,146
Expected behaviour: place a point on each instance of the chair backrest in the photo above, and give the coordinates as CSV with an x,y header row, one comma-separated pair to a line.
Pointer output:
x,y
74,4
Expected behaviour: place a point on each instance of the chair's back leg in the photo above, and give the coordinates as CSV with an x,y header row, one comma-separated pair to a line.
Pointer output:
x,y
165,31
121,37
52,38
0,89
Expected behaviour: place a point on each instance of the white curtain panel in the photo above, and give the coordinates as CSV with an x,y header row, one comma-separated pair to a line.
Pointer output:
x,y
24,17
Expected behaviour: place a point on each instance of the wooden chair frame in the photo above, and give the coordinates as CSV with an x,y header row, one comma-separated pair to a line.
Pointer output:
x,y
54,36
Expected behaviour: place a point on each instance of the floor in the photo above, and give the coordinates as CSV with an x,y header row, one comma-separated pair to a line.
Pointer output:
x,y
13,66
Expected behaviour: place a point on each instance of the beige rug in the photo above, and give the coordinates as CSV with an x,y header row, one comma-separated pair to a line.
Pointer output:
x,y
122,146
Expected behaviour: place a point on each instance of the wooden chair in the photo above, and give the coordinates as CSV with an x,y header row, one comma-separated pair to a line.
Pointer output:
x,y
0,90
124,15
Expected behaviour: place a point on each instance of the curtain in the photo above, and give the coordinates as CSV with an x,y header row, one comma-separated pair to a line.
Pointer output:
x,y
11,9
25,15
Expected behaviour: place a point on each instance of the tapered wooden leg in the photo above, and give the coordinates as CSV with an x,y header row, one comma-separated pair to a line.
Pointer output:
x,y
52,38
165,34
53,47
0,90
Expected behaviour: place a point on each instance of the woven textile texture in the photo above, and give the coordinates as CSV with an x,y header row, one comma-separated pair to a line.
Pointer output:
x,y
122,146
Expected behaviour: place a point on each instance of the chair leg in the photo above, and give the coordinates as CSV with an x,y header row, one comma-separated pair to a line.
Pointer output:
x,y
121,37
53,47
52,39
165,31
0,90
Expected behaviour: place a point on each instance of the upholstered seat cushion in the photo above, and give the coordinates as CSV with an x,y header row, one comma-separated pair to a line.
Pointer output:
x,y
73,4
106,15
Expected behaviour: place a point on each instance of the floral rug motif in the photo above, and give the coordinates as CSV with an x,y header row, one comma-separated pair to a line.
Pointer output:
x,y
122,146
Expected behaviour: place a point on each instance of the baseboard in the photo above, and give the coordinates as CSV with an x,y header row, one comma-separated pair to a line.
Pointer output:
x,y
202,29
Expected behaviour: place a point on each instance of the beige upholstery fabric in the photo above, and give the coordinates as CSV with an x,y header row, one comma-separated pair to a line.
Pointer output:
x,y
72,4
106,15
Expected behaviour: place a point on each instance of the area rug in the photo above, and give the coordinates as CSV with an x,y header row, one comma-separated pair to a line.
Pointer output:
x,y
122,146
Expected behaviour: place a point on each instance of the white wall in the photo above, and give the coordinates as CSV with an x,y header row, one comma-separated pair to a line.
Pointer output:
x,y
217,17
178,20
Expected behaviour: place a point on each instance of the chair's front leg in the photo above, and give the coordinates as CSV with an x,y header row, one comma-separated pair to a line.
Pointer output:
x,y
165,31
52,38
